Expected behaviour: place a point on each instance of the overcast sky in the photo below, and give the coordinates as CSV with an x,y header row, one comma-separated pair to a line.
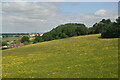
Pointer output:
x,y
43,16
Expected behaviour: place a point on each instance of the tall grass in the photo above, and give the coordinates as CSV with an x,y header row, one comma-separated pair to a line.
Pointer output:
x,y
77,57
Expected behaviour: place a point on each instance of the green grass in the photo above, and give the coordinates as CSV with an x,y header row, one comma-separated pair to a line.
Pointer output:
x,y
77,57
11,39
14,38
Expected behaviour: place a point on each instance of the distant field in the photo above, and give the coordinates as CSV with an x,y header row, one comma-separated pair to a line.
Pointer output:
x,y
15,38
77,57
11,39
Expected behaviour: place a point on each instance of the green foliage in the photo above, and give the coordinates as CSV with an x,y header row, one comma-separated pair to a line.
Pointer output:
x,y
4,43
63,35
81,30
105,26
112,30
66,30
47,36
99,27
24,39
91,30
38,39
26,43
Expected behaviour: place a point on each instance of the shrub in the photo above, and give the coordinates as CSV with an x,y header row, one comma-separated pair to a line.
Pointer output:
x,y
112,30
24,39
38,39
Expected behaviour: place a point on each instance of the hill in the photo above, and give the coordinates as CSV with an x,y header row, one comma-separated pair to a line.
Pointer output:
x,y
76,57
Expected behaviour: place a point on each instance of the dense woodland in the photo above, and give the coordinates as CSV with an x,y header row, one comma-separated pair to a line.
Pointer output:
x,y
107,29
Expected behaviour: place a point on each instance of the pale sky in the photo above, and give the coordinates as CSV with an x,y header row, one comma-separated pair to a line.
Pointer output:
x,y
59,0
43,16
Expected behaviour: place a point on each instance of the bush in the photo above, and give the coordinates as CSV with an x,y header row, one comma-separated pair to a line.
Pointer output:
x,y
99,27
112,30
24,39
38,39
4,43
26,43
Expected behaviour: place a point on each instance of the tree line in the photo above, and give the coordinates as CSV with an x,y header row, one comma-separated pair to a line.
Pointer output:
x,y
107,29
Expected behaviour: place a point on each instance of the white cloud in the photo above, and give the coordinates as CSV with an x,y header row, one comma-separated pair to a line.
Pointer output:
x,y
53,0
101,12
60,0
0,17
106,14
33,0
41,17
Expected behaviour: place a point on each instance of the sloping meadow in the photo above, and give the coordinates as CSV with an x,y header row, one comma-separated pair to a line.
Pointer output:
x,y
77,57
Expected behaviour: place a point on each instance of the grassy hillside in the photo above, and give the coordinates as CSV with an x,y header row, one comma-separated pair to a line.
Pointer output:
x,y
77,57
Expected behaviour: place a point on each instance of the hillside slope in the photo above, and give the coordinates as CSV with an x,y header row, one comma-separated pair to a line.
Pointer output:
x,y
77,57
